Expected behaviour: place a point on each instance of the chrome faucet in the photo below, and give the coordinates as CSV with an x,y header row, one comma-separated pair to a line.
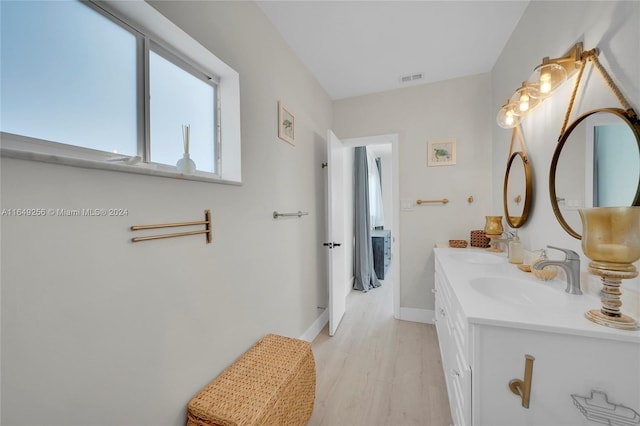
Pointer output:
x,y
570,265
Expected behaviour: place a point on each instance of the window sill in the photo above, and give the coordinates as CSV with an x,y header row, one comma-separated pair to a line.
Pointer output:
x,y
89,159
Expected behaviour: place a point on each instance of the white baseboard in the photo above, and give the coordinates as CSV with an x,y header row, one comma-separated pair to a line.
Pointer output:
x,y
417,315
316,327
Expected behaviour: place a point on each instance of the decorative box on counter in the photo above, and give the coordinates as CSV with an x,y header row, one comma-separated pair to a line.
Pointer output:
x,y
457,243
479,239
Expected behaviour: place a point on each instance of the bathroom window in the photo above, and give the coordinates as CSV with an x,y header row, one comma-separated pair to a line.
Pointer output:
x,y
69,76
86,85
178,97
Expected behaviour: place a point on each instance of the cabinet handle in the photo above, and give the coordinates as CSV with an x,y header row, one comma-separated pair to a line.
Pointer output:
x,y
523,388
442,312
434,290
455,373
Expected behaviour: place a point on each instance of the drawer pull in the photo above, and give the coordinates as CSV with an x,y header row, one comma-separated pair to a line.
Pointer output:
x,y
455,373
522,388
442,312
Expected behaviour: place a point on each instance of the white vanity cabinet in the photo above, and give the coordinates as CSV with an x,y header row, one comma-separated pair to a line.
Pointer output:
x,y
483,347
451,326
564,365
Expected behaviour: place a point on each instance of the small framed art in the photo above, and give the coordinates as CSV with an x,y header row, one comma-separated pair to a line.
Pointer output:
x,y
441,152
286,124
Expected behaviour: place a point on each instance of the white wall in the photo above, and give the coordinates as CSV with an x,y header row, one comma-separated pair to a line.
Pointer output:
x,y
99,331
457,108
613,27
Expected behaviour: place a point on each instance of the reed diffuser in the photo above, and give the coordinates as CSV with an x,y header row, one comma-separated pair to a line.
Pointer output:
x,y
185,165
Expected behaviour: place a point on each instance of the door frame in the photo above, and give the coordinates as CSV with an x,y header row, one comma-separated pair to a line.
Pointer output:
x,y
394,140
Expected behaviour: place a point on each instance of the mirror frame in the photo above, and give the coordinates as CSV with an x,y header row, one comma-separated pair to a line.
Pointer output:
x,y
629,117
528,190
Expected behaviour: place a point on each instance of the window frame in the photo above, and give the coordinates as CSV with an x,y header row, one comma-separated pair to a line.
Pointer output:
x,y
146,24
187,66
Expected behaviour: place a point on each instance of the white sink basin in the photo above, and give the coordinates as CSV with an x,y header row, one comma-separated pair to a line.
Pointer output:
x,y
478,258
514,291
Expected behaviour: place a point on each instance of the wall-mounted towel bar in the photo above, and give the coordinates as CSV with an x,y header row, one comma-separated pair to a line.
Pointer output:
x,y
299,214
206,222
443,201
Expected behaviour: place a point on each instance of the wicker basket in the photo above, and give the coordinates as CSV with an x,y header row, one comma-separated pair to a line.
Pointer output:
x,y
457,243
273,383
479,239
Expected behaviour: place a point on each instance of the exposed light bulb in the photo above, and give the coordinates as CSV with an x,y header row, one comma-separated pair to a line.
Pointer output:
x,y
509,118
545,83
524,102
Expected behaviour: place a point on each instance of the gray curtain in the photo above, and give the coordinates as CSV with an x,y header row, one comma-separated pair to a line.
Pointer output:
x,y
365,276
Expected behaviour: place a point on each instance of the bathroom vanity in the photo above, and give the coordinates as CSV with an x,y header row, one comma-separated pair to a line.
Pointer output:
x,y
490,316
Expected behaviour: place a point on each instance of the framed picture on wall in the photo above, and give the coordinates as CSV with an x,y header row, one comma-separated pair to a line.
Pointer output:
x,y
441,152
286,124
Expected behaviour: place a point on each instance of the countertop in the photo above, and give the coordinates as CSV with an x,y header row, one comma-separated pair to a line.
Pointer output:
x,y
563,314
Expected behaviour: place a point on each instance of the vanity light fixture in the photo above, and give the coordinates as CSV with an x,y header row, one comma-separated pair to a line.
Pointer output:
x,y
546,78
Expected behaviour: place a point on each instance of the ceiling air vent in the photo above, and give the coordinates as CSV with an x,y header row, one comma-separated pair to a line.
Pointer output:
x,y
411,77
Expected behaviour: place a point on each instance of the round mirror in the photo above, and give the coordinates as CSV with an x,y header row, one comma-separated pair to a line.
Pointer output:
x,y
516,195
596,164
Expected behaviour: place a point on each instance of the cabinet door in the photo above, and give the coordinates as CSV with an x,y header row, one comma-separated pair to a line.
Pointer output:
x,y
442,328
564,365
451,328
460,375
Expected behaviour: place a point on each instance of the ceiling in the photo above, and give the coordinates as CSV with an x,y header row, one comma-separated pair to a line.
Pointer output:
x,y
359,47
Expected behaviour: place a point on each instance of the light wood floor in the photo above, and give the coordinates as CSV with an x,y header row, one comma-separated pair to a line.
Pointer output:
x,y
377,370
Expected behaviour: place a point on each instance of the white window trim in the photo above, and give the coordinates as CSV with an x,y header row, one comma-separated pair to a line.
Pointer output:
x,y
144,17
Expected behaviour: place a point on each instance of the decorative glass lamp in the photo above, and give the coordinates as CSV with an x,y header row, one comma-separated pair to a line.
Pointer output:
x,y
547,77
508,116
611,239
525,97
551,73
493,230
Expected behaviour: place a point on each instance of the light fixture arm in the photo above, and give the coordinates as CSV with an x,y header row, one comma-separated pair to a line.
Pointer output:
x,y
570,62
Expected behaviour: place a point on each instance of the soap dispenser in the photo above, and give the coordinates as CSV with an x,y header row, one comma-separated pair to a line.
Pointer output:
x,y
516,253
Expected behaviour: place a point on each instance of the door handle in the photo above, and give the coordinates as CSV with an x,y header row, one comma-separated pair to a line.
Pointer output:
x,y
332,245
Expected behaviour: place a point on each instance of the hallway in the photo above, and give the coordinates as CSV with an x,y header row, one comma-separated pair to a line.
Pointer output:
x,y
378,370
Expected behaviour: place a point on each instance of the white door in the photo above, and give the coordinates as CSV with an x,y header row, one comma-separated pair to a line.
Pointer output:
x,y
335,232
